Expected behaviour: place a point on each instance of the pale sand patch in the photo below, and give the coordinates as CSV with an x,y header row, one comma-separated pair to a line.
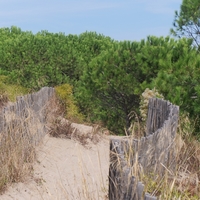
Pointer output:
x,y
65,170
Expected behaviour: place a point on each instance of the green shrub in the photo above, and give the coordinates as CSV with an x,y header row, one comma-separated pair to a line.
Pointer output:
x,y
65,94
11,91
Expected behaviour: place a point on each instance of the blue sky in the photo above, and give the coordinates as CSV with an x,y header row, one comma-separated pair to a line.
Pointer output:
x,y
119,19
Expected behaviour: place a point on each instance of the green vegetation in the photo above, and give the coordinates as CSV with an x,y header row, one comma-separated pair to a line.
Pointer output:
x,y
107,76
65,95
11,91
186,22
101,80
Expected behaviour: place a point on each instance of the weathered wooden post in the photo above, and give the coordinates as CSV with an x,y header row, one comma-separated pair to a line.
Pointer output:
x,y
29,108
149,154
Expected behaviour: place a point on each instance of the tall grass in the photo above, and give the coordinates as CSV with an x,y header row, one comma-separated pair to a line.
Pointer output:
x,y
86,180
11,91
17,151
184,182
17,154
61,127
18,137
86,186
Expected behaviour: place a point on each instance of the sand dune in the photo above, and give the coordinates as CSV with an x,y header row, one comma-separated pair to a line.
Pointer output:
x,y
65,170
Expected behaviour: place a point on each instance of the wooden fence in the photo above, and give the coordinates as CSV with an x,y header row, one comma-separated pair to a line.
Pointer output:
x,y
153,154
28,113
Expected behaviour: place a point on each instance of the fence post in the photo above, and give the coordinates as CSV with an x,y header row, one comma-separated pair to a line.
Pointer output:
x,y
149,154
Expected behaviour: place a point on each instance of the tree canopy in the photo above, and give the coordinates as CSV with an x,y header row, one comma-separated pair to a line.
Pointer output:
x,y
107,76
187,21
115,79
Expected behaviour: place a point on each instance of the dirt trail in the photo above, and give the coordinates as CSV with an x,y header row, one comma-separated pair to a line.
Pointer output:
x,y
65,170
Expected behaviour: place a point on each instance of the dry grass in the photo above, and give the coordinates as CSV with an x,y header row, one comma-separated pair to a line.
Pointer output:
x,y
183,183
3,99
82,177
19,134
89,187
67,130
188,169
62,128
17,150
17,145
17,153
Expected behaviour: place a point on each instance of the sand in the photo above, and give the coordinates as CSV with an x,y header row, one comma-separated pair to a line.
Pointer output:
x,y
65,169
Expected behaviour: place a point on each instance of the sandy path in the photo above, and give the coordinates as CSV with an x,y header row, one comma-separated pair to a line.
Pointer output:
x,y
65,170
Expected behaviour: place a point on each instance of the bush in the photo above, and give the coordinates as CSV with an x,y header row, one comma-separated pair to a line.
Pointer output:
x,y
11,91
65,94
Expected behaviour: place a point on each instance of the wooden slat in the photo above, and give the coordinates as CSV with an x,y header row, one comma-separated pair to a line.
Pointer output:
x,y
29,107
151,153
